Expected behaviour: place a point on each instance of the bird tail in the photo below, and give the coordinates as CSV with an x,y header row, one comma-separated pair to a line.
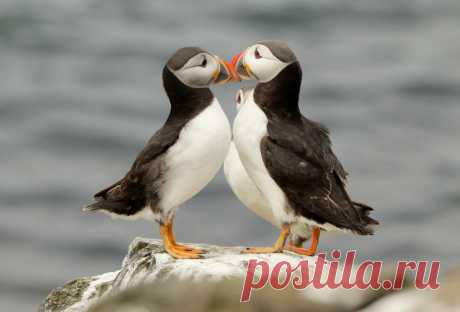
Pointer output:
x,y
104,204
111,199
369,223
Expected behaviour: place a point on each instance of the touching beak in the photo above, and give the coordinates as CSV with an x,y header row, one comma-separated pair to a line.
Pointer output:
x,y
224,74
241,70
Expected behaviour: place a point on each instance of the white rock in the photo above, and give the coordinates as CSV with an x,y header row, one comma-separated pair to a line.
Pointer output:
x,y
147,261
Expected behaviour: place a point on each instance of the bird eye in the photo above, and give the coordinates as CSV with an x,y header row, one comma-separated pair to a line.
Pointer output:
x,y
257,54
204,63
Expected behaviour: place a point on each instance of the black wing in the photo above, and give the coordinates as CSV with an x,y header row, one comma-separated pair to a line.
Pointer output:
x,y
299,157
307,139
141,184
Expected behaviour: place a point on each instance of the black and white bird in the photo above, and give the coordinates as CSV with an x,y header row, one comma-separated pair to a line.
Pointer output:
x,y
183,156
288,156
245,189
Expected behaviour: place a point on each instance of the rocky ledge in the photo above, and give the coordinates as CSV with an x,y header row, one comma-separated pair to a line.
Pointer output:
x,y
147,261
150,280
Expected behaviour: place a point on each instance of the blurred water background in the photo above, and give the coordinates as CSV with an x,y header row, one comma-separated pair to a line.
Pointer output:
x,y
81,92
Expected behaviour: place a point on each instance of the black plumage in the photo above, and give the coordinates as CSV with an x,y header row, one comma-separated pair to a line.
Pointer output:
x,y
140,186
298,155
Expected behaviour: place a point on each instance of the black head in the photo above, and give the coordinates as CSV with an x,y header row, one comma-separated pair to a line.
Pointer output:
x,y
197,68
264,60
280,50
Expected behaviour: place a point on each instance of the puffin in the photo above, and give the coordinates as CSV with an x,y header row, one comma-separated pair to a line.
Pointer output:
x,y
288,156
183,156
245,189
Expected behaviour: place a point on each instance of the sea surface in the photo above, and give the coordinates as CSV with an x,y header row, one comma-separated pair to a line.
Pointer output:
x,y
81,92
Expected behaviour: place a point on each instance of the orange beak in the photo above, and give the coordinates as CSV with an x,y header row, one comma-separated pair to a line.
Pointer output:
x,y
224,74
233,74
240,69
234,66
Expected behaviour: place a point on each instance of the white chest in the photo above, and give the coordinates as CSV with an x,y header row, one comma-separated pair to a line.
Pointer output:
x,y
250,127
243,186
196,157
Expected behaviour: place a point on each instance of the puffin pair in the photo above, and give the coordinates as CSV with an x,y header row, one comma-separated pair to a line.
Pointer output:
x,y
284,159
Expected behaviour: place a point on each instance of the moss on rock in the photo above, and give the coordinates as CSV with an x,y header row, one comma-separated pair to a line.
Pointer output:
x,y
101,289
63,297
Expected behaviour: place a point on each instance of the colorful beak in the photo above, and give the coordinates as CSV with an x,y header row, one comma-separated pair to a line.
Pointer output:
x,y
240,69
224,74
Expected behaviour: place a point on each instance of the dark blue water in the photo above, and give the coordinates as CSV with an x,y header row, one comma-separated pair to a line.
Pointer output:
x,y
80,93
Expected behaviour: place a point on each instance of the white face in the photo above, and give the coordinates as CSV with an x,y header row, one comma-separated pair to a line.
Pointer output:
x,y
261,62
241,97
199,71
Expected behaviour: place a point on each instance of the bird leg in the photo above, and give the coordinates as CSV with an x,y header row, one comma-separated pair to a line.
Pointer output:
x,y
277,247
295,241
173,248
180,246
313,245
